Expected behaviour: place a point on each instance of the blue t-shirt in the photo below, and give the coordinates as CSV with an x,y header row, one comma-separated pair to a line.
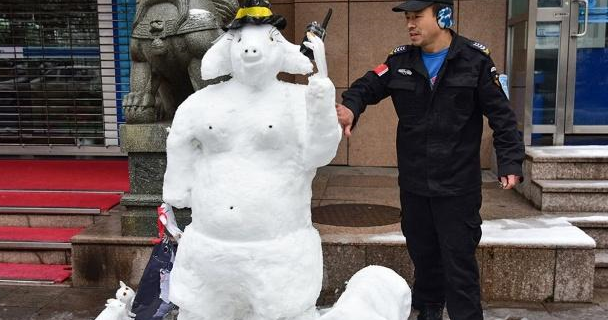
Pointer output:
x,y
433,62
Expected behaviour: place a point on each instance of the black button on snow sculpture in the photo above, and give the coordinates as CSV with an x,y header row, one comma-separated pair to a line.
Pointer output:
x,y
270,126
356,215
210,127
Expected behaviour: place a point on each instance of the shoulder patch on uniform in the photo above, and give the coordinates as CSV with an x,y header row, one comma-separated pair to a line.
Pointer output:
x,y
480,47
381,70
399,50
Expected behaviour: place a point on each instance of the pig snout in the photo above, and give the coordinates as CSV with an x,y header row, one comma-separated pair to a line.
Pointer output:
x,y
251,53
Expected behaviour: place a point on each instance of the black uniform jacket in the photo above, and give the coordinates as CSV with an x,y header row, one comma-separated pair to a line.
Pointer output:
x,y
439,130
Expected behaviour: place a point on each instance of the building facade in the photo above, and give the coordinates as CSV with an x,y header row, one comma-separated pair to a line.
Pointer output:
x,y
64,67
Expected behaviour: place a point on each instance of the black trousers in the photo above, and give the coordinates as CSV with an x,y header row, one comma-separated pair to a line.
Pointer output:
x,y
442,234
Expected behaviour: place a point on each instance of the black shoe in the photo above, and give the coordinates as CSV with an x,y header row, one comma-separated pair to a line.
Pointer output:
x,y
431,312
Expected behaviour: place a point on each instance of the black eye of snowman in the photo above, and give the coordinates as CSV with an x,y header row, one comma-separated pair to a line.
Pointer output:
x,y
271,38
239,40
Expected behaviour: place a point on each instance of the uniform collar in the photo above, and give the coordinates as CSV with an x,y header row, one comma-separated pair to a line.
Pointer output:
x,y
456,46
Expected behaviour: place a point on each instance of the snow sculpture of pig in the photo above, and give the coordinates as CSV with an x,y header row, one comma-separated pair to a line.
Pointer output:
x,y
242,154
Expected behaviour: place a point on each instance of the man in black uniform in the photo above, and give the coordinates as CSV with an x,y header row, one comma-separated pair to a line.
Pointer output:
x,y
441,87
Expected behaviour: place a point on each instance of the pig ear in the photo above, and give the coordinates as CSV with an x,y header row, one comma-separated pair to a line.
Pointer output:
x,y
295,62
216,61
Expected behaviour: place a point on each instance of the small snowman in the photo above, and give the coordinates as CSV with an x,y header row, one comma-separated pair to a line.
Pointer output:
x,y
115,310
373,293
126,295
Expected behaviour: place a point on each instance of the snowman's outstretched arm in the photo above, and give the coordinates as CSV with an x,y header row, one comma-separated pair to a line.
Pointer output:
x,y
323,132
182,150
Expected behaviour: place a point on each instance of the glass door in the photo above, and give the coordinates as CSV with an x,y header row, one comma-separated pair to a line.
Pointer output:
x,y
587,92
549,75
558,65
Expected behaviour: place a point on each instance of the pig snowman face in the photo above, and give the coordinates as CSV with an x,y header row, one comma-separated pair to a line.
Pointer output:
x,y
256,54
253,55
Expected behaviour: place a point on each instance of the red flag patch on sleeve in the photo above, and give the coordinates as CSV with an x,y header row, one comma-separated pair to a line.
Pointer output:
x,y
381,69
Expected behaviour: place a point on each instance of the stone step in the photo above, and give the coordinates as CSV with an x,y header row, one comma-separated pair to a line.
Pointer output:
x,y
601,258
563,163
28,245
570,195
35,283
35,252
34,274
64,219
41,253
595,226
103,244
520,260
601,268
567,162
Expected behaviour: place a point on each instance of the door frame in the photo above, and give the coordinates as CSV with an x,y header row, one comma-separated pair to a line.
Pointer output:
x,y
570,127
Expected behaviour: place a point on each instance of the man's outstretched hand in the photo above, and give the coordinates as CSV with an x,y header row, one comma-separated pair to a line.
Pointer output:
x,y
345,118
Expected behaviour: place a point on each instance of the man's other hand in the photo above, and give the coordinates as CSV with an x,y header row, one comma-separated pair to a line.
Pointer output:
x,y
509,181
345,118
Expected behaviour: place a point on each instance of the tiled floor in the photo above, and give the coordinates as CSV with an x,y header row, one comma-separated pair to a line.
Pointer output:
x,y
338,185
50,303
379,186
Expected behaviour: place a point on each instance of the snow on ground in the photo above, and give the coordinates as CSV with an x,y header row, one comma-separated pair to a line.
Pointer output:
x,y
569,151
589,219
541,232
535,232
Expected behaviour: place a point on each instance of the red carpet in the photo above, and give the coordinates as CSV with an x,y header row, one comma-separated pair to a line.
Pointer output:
x,y
99,175
40,272
102,201
38,234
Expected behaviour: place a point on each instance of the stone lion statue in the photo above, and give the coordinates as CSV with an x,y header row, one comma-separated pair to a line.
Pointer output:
x,y
168,41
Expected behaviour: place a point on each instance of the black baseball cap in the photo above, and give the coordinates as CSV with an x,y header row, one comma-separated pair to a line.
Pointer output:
x,y
417,5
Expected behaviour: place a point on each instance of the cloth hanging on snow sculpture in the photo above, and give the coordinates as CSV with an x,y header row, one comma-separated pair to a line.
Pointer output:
x,y
148,301
242,154
152,299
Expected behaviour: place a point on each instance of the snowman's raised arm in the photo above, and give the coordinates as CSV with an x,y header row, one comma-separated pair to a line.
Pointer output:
x,y
318,48
323,132
182,150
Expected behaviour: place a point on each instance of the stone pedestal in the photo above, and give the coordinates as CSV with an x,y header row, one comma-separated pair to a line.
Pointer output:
x,y
146,148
